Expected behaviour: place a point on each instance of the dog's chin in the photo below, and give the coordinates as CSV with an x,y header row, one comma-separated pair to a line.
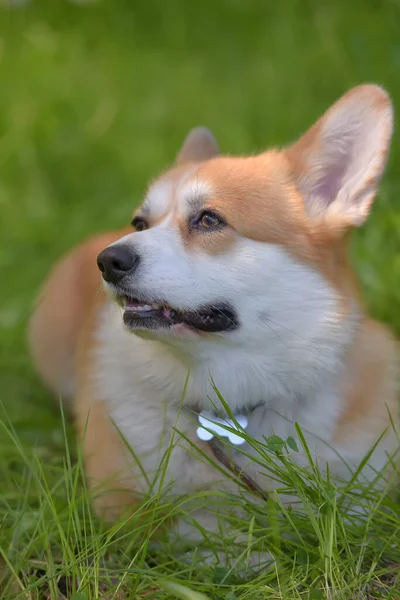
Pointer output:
x,y
151,319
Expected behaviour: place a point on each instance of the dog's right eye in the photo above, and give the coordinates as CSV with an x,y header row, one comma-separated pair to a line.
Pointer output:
x,y
139,224
208,219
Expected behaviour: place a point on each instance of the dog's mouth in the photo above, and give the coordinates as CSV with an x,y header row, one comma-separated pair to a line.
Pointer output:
x,y
158,315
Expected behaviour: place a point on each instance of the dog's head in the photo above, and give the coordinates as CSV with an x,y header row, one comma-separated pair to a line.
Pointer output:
x,y
252,250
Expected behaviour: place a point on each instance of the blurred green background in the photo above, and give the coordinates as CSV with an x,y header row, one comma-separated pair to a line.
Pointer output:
x,y
95,99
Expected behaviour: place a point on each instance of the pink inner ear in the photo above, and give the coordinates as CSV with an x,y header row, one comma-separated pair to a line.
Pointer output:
x,y
338,156
329,184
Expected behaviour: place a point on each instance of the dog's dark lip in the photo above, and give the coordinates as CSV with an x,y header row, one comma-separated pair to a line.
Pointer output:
x,y
149,314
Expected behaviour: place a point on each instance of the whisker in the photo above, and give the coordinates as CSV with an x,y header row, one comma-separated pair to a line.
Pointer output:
x,y
276,334
284,327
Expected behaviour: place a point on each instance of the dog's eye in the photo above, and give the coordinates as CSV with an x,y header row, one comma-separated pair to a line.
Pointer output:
x,y
209,220
139,224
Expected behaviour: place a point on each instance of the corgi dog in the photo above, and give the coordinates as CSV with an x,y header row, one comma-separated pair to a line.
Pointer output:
x,y
232,281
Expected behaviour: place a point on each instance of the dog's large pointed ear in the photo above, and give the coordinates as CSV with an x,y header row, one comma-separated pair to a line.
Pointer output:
x,y
338,163
199,145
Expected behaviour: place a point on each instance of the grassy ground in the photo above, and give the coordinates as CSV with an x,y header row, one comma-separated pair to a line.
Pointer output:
x,y
94,101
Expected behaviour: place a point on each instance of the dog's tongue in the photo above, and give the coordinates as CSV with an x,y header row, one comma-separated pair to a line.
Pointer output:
x,y
168,312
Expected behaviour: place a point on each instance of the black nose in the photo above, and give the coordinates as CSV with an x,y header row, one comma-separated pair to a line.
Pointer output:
x,y
117,261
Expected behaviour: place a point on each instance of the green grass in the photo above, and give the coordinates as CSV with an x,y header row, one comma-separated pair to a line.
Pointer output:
x,y
94,101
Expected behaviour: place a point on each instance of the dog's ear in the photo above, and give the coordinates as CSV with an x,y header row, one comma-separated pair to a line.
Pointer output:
x,y
338,163
199,145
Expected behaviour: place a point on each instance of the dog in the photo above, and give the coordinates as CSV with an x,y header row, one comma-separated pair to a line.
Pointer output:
x,y
233,281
